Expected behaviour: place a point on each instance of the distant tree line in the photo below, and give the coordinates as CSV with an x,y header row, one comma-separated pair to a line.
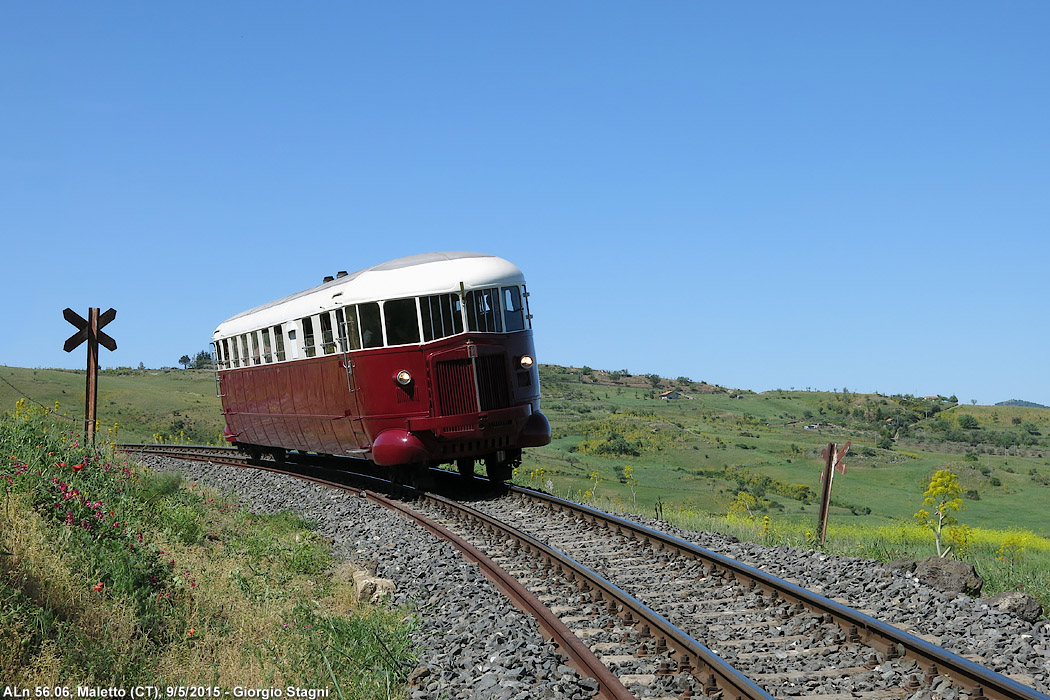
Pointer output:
x,y
202,360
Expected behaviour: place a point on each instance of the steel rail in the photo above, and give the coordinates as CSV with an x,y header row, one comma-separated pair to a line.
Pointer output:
x,y
895,643
580,657
686,650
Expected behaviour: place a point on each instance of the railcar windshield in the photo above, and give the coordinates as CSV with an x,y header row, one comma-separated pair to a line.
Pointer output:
x,y
483,311
442,316
513,311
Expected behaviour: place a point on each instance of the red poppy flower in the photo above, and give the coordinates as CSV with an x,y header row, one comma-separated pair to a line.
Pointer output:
x,y
77,467
98,587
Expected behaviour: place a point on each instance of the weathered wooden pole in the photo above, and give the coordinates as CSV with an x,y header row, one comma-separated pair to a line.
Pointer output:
x,y
833,462
825,493
90,330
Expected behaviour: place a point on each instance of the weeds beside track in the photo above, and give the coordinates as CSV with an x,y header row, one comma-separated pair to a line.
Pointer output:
x,y
111,574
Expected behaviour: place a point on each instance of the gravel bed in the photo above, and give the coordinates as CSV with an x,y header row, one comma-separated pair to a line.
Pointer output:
x,y
471,642
957,623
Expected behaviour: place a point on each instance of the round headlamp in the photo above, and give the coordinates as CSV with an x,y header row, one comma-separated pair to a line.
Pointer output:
x,y
404,377
526,361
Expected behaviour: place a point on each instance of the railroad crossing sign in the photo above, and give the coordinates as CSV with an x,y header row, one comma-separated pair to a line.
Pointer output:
x,y
91,331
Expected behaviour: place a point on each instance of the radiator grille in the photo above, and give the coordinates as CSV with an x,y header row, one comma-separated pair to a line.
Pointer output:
x,y
455,385
493,388
460,387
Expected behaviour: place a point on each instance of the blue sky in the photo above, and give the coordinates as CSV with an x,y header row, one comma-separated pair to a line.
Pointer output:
x,y
759,195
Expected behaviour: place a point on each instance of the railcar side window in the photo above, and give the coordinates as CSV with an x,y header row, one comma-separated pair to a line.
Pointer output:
x,y
442,316
512,309
235,354
402,322
308,337
278,338
267,348
246,352
348,330
525,297
483,311
327,337
371,325
254,338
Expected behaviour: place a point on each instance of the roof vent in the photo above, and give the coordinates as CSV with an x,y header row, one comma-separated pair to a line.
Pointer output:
x,y
341,273
328,278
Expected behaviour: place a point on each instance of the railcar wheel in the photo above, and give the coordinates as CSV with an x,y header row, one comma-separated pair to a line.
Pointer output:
x,y
500,466
466,467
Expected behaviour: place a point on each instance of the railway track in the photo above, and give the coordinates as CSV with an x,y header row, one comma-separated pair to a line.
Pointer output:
x,y
641,601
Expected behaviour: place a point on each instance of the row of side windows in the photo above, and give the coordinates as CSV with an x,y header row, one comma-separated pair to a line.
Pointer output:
x,y
378,324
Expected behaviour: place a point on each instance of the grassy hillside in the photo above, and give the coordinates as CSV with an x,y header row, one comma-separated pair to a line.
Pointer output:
x,y
697,452
708,457
176,404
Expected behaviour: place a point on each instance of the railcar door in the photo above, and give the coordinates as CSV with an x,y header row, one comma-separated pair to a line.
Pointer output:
x,y
349,340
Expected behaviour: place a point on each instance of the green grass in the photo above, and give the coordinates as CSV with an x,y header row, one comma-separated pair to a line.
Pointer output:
x,y
176,405
114,575
691,455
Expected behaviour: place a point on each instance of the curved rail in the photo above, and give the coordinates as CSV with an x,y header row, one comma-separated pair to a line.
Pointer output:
x,y
896,643
579,655
686,650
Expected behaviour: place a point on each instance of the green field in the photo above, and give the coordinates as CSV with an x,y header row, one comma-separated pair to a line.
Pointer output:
x,y
175,404
692,453
698,451
619,445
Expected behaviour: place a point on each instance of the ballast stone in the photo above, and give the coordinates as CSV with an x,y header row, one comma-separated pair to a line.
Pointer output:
x,y
949,575
1016,603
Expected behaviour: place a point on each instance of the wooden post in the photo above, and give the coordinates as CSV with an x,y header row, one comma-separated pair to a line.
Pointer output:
x,y
833,462
825,494
91,394
91,331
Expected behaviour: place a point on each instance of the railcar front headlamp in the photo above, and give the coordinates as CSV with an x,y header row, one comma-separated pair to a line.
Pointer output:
x,y
404,377
526,361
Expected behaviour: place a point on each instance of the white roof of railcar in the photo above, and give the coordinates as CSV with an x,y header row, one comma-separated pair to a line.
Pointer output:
x,y
416,275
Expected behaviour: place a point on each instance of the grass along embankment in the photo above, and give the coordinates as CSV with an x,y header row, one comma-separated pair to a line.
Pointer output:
x,y
618,444
112,575
153,405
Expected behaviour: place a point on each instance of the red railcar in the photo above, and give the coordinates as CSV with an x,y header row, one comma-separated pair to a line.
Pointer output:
x,y
415,362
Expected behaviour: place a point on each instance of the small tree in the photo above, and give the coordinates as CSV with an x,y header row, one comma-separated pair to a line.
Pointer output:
x,y
745,505
185,361
944,495
632,483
